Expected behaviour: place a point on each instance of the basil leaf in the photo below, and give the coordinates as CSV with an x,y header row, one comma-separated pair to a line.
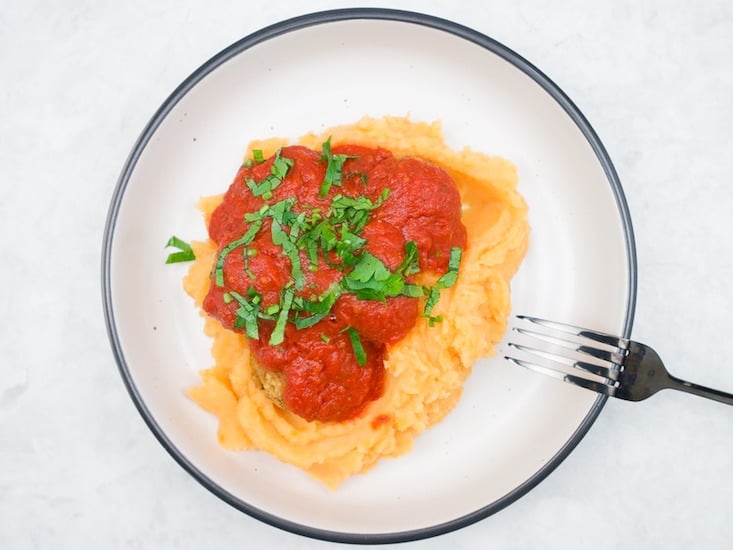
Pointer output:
x,y
280,210
381,273
432,320
278,171
413,291
244,240
259,215
185,253
246,314
410,265
359,353
365,269
282,239
354,211
318,309
278,334
431,301
450,277
335,164
371,280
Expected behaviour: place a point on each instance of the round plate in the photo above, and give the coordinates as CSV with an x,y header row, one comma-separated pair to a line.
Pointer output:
x,y
511,427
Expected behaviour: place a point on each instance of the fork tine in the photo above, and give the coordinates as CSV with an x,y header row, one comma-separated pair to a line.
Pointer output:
x,y
549,356
602,337
611,356
605,389
598,387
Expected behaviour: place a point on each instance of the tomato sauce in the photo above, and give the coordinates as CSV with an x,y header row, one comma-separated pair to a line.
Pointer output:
x,y
322,375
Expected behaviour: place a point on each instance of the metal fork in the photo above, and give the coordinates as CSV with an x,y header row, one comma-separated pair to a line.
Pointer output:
x,y
610,365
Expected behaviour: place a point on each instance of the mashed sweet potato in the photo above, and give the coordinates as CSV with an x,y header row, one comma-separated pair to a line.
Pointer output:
x,y
425,370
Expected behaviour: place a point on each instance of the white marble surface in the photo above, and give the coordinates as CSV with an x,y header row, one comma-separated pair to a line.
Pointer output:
x,y
78,467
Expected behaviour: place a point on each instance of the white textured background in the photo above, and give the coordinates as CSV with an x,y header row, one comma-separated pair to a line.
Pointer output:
x,y
79,469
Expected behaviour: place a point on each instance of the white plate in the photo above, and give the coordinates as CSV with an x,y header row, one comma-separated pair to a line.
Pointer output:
x,y
512,427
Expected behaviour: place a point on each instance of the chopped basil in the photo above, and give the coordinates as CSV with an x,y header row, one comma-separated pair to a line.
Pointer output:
x,y
257,155
280,168
282,239
318,309
354,211
371,280
450,277
325,338
410,264
334,166
247,314
278,334
430,303
447,280
359,353
244,240
347,245
281,211
432,320
185,253
413,291
311,249
367,267
259,215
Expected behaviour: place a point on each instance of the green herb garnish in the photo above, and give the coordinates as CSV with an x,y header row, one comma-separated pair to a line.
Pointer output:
x,y
371,280
281,238
333,168
280,168
247,314
318,309
410,264
184,254
359,353
430,303
450,277
413,291
244,240
447,280
278,334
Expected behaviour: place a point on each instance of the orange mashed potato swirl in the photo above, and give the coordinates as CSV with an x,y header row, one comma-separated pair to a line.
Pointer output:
x,y
425,371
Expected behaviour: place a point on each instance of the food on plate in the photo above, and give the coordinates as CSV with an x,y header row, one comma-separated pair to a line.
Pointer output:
x,y
349,282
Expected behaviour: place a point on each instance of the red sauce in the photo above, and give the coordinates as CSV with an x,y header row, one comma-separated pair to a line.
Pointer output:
x,y
322,378
380,420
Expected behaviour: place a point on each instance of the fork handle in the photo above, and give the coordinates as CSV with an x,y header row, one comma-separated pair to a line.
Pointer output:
x,y
702,391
